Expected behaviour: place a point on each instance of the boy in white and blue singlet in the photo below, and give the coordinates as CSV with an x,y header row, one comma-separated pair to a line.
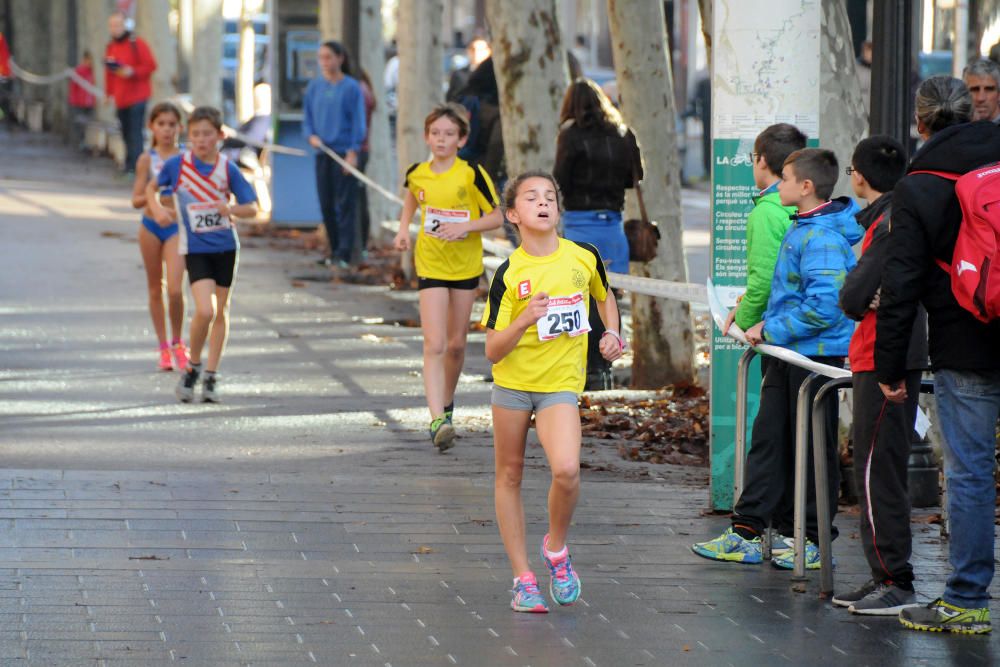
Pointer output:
x,y
202,183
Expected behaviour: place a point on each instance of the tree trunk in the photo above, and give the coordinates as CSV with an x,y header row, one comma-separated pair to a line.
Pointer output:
x,y
380,166
530,63
92,35
152,24
421,78
185,43
206,71
843,119
662,340
30,30
421,82
705,9
57,106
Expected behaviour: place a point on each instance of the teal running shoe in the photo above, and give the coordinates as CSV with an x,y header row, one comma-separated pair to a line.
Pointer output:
x,y
564,586
442,433
527,597
786,561
940,616
731,547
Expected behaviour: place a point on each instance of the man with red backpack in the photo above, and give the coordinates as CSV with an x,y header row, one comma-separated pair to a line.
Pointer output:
x,y
925,224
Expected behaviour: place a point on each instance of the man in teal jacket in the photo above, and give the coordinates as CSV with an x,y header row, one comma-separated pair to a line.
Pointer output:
x,y
767,222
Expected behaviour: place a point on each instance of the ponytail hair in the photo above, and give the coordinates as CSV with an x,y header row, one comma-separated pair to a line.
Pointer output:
x,y
161,108
943,101
340,50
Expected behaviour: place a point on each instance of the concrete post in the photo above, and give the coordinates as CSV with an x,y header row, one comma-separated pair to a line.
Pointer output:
x,y
92,35
381,168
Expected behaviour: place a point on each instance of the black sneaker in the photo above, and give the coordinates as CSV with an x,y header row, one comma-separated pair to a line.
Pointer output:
x,y
886,600
185,388
208,394
847,599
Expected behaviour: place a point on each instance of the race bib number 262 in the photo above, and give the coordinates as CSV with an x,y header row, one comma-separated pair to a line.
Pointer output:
x,y
565,315
205,217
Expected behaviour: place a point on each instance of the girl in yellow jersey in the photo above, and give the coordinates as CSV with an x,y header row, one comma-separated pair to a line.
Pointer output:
x,y
536,337
457,202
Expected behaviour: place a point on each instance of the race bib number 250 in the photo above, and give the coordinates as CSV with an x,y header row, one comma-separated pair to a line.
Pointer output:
x,y
565,315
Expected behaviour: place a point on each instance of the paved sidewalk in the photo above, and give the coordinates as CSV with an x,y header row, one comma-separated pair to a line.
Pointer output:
x,y
306,520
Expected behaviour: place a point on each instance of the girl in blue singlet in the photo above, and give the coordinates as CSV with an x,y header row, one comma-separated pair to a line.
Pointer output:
x,y
158,243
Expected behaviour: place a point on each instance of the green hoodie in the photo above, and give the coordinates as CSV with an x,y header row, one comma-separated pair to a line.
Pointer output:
x,y
766,227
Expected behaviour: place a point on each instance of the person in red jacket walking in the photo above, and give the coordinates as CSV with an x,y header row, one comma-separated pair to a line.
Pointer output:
x,y
129,65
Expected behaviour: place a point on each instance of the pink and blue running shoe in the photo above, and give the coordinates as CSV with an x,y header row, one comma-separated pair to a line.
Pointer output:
x,y
564,586
527,597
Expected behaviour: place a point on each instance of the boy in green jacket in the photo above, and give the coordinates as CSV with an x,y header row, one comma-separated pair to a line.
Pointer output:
x,y
767,222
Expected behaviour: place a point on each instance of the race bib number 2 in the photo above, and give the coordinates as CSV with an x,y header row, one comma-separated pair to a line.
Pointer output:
x,y
204,217
435,218
565,315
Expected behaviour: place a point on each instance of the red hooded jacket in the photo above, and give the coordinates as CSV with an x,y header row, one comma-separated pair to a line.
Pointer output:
x,y
4,58
134,52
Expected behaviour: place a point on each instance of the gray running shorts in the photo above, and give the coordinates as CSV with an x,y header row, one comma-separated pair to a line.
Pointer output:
x,y
528,401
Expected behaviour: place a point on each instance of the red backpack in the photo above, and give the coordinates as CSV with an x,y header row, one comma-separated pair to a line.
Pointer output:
x,y
975,265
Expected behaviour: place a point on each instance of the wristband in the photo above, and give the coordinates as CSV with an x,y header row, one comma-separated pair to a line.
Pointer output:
x,y
621,343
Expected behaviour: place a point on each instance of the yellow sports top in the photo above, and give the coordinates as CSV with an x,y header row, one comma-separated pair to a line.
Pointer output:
x,y
560,362
464,192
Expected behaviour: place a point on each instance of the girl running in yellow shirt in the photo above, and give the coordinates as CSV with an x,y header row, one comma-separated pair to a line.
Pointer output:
x,y
536,337
457,202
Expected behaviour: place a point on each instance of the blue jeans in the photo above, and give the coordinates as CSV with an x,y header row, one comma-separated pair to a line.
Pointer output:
x,y
132,119
602,229
338,200
968,406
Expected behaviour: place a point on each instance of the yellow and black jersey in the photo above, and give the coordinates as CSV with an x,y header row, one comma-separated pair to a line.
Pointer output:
x,y
552,354
464,192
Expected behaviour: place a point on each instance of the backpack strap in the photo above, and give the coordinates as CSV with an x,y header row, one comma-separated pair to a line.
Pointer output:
x,y
945,266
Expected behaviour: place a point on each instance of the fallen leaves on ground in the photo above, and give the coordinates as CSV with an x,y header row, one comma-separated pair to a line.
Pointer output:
x,y
669,427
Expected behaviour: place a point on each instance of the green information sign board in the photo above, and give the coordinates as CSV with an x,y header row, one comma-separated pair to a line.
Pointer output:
x,y
732,192
765,70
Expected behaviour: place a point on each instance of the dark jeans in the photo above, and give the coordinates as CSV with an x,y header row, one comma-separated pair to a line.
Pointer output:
x,y
882,433
770,470
968,406
131,120
338,200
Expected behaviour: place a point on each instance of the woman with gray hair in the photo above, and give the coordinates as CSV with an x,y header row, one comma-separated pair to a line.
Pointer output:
x,y
965,353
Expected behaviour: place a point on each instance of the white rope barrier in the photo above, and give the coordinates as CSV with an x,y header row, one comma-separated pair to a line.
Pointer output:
x,y
49,79
689,292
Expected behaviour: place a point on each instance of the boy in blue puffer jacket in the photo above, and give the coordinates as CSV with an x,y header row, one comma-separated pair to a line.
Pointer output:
x,y
803,315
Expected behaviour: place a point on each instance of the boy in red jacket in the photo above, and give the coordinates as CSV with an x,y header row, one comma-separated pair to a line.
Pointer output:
x,y
881,431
